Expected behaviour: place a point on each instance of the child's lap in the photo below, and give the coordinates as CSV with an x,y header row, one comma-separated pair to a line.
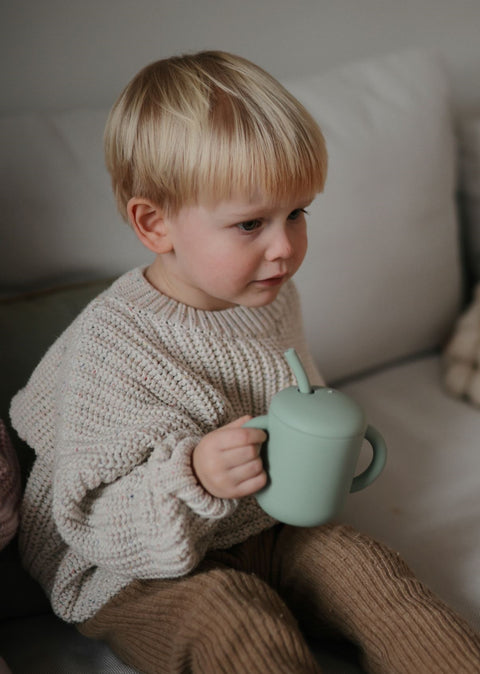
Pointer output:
x,y
260,566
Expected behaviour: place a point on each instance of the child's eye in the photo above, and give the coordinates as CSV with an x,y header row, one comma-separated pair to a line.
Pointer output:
x,y
249,226
297,213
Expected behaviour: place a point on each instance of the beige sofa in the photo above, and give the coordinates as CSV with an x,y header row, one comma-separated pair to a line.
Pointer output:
x,y
386,278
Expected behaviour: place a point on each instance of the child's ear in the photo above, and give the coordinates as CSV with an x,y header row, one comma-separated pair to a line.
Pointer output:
x,y
148,221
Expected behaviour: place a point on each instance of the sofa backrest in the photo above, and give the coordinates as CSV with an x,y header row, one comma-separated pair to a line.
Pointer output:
x,y
382,278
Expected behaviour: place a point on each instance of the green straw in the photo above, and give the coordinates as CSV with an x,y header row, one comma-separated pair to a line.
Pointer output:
x,y
298,370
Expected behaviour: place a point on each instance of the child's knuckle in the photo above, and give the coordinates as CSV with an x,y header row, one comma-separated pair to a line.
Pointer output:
x,y
244,436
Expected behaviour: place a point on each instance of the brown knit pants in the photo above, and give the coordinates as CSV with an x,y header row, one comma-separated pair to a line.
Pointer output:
x,y
235,612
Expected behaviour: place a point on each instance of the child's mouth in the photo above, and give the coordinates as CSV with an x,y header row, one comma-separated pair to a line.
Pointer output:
x,y
272,281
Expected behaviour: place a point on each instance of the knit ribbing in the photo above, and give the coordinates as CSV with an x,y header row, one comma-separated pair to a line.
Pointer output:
x,y
362,589
218,620
237,612
114,411
134,291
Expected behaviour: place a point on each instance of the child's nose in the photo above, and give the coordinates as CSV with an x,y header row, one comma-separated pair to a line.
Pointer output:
x,y
281,247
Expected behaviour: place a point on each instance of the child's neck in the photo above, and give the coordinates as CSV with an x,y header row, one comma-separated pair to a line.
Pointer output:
x,y
160,277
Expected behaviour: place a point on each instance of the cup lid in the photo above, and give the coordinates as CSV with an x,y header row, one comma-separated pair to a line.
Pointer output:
x,y
324,412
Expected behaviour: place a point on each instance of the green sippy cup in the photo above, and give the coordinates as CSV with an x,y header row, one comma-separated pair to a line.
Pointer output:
x,y
315,435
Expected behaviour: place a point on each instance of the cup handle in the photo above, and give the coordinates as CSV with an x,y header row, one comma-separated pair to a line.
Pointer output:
x,y
376,464
258,422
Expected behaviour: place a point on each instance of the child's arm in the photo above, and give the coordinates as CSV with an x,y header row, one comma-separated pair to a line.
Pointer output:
x,y
227,462
128,500
126,496
114,419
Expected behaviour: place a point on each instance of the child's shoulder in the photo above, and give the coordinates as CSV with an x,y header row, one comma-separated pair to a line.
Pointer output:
x,y
127,298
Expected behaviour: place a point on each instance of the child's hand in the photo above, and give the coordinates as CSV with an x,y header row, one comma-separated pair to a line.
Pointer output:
x,y
227,462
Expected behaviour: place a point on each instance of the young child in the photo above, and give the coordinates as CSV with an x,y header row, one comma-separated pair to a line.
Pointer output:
x,y
139,518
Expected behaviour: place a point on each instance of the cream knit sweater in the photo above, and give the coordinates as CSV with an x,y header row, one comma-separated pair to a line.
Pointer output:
x,y
113,412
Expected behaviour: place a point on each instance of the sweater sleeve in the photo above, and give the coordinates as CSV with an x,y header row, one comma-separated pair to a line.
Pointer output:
x,y
124,493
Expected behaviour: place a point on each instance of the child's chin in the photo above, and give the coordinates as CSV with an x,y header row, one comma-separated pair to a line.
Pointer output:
x,y
262,299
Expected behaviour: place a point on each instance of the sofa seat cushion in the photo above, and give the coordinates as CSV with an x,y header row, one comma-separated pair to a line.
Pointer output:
x,y
57,648
54,648
425,504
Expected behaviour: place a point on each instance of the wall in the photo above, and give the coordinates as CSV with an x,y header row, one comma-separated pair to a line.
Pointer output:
x,y
57,54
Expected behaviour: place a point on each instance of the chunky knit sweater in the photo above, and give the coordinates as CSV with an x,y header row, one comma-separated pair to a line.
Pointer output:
x,y
113,413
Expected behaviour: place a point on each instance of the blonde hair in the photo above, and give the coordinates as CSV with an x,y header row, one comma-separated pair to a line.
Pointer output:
x,y
208,125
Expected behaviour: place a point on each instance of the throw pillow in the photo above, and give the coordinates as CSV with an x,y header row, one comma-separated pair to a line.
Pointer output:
x,y
461,357
469,137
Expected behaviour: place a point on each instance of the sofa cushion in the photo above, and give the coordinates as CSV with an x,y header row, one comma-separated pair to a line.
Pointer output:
x,y
57,648
382,277
425,504
469,136
54,648
461,355
58,218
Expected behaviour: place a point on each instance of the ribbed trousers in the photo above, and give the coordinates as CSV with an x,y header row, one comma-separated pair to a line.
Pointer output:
x,y
247,610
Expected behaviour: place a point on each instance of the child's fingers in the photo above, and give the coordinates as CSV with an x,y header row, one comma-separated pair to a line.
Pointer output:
x,y
238,436
226,461
250,485
245,471
234,434
238,423
239,456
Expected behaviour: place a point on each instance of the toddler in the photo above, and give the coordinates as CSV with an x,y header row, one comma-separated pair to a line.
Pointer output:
x,y
139,518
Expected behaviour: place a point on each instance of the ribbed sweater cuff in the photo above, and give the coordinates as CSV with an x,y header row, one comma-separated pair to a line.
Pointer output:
x,y
176,477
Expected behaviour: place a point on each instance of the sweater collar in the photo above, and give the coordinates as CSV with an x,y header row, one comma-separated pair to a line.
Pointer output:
x,y
134,290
